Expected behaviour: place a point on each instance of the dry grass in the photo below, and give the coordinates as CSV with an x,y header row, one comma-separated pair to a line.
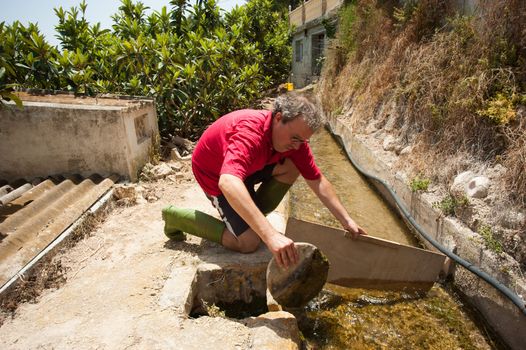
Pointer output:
x,y
437,78
450,85
515,160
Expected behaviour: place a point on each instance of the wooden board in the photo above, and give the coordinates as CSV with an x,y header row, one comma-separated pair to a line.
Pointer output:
x,y
369,262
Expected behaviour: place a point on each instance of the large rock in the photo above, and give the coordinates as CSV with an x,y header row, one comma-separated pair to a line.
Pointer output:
x,y
296,286
460,182
478,187
470,185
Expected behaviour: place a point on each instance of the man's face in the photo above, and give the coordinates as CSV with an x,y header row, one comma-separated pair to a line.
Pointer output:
x,y
289,136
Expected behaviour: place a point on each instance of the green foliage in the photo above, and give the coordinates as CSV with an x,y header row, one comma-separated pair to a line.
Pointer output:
x,y
346,29
450,203
330,27
197,63
6,91
490,241
270,34
403,14
502,108
7,69
419,184
213,310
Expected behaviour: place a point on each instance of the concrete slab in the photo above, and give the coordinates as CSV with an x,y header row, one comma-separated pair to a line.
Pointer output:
x,y
64,134
176,293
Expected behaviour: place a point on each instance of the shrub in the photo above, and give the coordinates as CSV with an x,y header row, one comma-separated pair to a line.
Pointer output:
x,y
490,241
196,63
449,204
419,184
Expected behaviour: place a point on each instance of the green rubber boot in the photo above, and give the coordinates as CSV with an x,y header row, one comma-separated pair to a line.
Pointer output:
x,y
177,221
269,194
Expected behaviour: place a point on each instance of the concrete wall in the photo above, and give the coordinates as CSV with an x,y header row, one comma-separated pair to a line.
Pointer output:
x,y
500,313
311,10
62,134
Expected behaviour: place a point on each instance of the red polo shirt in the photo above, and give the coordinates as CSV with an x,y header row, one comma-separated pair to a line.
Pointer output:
x,y
240,143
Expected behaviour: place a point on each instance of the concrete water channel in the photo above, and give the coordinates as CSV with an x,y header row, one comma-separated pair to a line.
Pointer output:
x,y
366,319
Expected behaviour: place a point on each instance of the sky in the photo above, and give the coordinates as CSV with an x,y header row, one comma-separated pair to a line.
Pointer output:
x,y
41,12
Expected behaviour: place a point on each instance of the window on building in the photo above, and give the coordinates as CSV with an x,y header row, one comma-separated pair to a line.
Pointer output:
x,y
299,50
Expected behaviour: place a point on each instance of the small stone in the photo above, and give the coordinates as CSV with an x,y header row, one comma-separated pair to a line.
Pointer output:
x,y
478,187
274,331
177,166
389,143
172,178
161,171
125,195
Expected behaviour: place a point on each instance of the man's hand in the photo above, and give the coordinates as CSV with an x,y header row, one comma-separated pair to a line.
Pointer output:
x,y
283,249
325,192
353,229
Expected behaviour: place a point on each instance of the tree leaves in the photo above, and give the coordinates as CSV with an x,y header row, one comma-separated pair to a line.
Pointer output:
x,y
195,62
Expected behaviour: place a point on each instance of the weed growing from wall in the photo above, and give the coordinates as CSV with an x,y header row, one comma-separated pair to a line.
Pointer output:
x,y
419,184
489,240
449,204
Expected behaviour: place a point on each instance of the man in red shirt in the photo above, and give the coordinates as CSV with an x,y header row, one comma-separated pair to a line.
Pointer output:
x,y
245,148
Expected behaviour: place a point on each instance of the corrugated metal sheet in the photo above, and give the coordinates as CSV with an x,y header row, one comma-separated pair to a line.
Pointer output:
x,y
33,217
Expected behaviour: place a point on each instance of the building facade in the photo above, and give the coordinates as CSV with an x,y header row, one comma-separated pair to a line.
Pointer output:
x,y
309,39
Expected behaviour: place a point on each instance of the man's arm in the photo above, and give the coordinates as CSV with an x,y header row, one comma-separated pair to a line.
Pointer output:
x,y
238,197
325,192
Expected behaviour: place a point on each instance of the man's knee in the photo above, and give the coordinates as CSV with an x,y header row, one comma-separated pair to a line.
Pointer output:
x,y
286,172
248,242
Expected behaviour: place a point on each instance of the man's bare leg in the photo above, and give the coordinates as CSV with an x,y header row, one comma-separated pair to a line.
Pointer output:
x,y
247,242
286,173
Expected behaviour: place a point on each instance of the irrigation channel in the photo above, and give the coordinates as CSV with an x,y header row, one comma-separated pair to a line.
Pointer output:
x,y
344,318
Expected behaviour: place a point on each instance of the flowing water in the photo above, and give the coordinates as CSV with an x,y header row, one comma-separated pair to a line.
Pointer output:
x,y
344,318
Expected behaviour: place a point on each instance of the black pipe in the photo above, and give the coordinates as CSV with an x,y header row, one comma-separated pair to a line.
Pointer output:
x,y
514,298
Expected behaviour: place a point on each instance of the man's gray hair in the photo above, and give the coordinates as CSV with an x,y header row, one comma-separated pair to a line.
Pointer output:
x,y
293,106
